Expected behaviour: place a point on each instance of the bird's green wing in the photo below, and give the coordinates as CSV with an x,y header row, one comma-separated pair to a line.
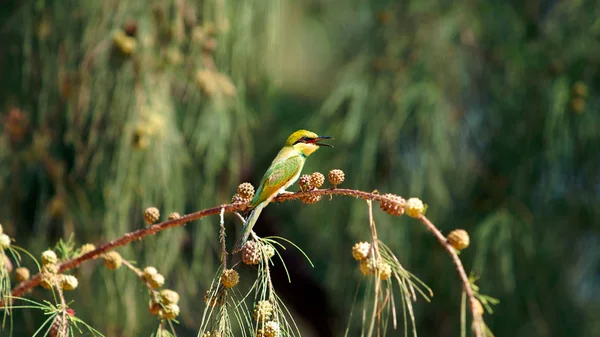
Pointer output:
x,y
276,177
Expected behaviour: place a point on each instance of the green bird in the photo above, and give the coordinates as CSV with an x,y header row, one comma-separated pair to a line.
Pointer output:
x,y
283,173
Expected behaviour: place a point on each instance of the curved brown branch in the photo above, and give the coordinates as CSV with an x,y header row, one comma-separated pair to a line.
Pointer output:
x,y
151,230
461,272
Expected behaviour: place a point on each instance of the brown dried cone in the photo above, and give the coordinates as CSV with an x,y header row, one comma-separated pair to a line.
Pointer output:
x,y
305,183
113,260
230,278
317,179
246,191
60,326
263,311
151,215
414,207
251,253
310,199
238,199
459,239
393,204
22,274
361,250
336,177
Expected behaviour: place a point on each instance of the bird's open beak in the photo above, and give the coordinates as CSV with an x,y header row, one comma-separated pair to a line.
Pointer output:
x,y
316,141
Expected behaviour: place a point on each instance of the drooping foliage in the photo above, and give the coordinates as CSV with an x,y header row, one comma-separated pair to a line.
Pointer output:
x,y
486,110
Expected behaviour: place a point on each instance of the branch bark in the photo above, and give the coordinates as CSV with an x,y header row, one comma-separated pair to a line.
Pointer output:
x,y
232,208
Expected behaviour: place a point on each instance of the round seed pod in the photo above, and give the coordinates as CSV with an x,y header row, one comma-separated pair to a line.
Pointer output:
x,y
173,216
112,260
317,179
230,278
271,329
263,311
168,296
151,215
305,183
148,272
22,274
459,239
170,311
51,268
48,257
268,250
251,253
580,89
68,282
4,241
238,199
310,199
156,281
392,205
368,267
246,191
384,270
361,250
47,280
414,207
578,104
86,248
336,177
125,44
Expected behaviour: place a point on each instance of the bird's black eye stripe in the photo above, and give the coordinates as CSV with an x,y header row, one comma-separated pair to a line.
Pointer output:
x,y
301,140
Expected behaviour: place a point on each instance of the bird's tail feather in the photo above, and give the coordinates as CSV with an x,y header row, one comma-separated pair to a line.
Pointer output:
x,y
247,229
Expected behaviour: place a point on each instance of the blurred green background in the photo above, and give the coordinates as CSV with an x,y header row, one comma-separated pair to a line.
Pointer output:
x,y
486,110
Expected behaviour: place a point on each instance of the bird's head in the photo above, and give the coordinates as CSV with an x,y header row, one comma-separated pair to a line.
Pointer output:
x,y
306,141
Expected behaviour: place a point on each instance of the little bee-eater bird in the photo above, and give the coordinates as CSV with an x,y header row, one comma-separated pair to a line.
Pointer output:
x,y
283,173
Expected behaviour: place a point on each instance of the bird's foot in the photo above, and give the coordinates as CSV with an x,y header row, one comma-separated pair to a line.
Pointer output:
x,y
285,192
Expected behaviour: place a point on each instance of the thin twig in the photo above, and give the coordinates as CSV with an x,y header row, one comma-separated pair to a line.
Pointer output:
x,y
461,272
376,257
222,239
